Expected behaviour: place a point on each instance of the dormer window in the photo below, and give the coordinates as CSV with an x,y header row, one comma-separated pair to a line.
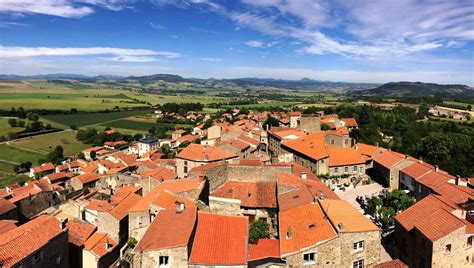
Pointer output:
x,y
288,233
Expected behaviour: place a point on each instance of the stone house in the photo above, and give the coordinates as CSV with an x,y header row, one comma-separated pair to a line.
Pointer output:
x,y
8,210
84,181
294,118
436,232
236,146
345,161
310,123
78,233
197,155
41,242
168,239
100,251
386,168
277,136
39,171
411,173
32,198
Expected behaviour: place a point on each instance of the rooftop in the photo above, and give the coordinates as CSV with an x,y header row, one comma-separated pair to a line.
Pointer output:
x,y
252,194
79,232
149,140
96,244
197,152
265,248
341,212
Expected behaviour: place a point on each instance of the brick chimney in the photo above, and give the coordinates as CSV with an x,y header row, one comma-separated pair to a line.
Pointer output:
x,y
63,223
304,176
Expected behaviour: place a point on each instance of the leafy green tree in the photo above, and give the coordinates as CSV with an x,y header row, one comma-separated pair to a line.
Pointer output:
x,y
399,200
93,154
12,122
373,203
270,122
56,156
385,218
207,124
258,229
324,127
21,123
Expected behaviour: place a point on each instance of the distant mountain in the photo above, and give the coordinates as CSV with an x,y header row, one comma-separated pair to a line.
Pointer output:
x,y
418,89
46,76
305,83
172,78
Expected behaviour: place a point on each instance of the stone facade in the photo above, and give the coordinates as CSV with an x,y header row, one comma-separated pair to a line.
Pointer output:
x,y
116,229
183,166
32,205
389,177
310,123
339,252
338,140
176,257
347,170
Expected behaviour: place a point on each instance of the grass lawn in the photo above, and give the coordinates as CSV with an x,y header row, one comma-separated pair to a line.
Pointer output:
x,y
45,143
92,118
13,154
5,128
8,176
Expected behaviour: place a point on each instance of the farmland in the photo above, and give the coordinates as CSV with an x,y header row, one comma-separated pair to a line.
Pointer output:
x,y
5,128
17,155
92,118
45,143
140,125
8,175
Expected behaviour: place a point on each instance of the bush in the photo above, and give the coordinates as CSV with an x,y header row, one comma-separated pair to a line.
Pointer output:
x,y
258,229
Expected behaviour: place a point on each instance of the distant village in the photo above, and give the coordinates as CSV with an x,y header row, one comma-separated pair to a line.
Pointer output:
x,y
204,204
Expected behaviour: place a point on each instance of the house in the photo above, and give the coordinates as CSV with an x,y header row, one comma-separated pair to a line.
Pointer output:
x,y
100,251
220,241
197,155
91,153
345,161
153,177
178,133
147,144
266,253
59,177
32,198
236,146
39,171
167,241
41,242
114,144
294,118
78,233
410,173
436,232
8,210
276,136
387,166
84,181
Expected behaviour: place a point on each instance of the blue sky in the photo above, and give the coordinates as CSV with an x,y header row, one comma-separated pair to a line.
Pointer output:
x,y
337,40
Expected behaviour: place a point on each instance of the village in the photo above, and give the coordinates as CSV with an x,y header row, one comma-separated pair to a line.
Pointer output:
x,y
240,194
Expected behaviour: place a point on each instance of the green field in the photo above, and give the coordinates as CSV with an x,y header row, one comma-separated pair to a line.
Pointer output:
x,y
17,155
92,118
5,128
138,125
264,104
457,105
8,176
46,143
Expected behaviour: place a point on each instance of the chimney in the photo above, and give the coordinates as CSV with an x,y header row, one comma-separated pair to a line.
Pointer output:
x,y
436,168
340,227
107,245
181,206
304,176
62,223
377,143
406,156
456,181
420,161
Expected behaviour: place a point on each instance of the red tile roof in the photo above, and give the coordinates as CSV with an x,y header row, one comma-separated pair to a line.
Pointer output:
x,y
434,179
220,240
159,196
53,177
350,122
206,166
160,174
439,224
415,170
168,200
44,167
313,183
21,242
367,149
170,228
79,232
196,152
96,244
388,159
88,177
6,206
339,156
340,211
311,146
265,248
303,227
249,140
99,205
237,144
121,210
281,133
252,194
455,193
391,264
7,225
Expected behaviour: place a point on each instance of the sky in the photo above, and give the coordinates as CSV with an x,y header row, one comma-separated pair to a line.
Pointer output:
x,y
336,40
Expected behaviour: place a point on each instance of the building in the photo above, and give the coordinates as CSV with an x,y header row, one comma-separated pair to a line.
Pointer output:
x,y
387,166
167,241
220,241
41,242
277,136
266,253
197,155
436,232
147,144
78,233
100,251
84,181
39,171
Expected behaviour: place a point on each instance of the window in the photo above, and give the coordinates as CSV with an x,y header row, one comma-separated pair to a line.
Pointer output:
x,y
309,258
37,257
447,249
469,241
346,169
358,264
332,142
358,246
336,170
58,260
354,169
185,169
164,261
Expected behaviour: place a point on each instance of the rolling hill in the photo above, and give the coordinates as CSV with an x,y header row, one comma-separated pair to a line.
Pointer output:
x,y
418,89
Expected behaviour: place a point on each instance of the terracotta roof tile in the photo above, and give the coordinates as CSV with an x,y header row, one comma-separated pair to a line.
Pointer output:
x,y
170,228
44,167
311,145
220,240
176,186
237,144
433,179
198,152
252,194
121,210
7,225
96,244
20,242
391,264
388,159
79,232
303,227
350,122
265,248
367,149
99,205
88,177
339,156
439,224
340,211
416,170
6,206
249,140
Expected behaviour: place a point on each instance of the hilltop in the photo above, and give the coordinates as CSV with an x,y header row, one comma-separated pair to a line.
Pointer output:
x,y
418,89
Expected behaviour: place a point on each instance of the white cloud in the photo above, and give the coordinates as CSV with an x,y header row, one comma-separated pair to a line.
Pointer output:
x,y
255,43
156,26
211,59
9,52
61,8
132,59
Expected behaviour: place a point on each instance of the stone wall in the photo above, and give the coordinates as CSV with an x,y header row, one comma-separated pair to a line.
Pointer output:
x,y
460,255
310,123
139,221
341,170
338,141
224,206
34,204
106,223
177,257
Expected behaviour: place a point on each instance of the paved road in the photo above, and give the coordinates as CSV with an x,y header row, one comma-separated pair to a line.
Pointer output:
x,y
363,190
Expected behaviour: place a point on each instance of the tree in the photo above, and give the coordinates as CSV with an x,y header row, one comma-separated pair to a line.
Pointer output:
x,y
137,136
207,124
258,229
270,122
324,127
423,111
93,155
56,156
373,203
12,122
385,218
73,127
21,123
81,155
398,200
